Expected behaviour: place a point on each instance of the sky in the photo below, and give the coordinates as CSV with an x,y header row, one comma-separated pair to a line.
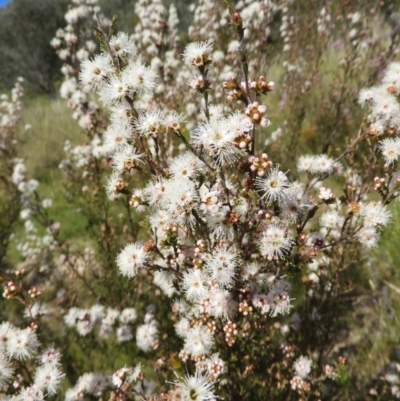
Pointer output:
x,y
4,2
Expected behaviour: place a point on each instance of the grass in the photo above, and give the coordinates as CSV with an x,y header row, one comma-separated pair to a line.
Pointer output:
x,y
42,149
52,124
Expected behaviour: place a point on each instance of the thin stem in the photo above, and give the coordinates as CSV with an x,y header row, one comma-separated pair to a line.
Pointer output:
x,y
104,36
350,148
193,150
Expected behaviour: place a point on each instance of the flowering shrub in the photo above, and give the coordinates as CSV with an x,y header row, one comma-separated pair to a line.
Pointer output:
x,y
223,249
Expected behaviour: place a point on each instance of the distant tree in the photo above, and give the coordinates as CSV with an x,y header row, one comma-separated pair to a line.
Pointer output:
x,y
26,28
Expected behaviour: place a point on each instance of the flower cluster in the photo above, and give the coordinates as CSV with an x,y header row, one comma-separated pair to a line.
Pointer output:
x,y
22,345
85,320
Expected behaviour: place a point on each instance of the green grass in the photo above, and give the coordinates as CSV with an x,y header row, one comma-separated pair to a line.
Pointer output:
x,y
52,124
42,148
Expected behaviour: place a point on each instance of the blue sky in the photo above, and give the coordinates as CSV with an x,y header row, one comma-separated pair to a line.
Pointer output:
x,y
4,2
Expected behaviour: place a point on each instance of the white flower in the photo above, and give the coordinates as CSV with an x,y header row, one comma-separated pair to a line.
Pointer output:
x,y
194,284
274,243
210,201
68,88
21,344
105,331
135,373
115,184
146,388
322,164
84,327
126,158
18,174
250,271
165,280
181,327
146,335
238,123
325,194
137,200
294,202
276,302
31,186
124,333
222,264
385,107
72,316
198,54
37,309
46,203
273,184
365,96
97,71
375,214
128,315
93,383
186,166
97,314
196,388
121,113
216,111
31,393
198,341
111,316
114,91
378,127
74,394
25,214
116,136
278,298
180,199
222,304
392,76
217,137
155,193
139,79
82,54
6,369
119,376
122,46
390,148
316,239
368,237
132,258
63,54
150,123
50,356
172,121
302,366
48,378
55,42
331,220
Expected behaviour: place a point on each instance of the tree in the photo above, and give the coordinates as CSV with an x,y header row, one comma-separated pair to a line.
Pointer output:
x,y
26,28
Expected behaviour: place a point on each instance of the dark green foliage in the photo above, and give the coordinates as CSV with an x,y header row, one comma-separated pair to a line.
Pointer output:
x,y
26,29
